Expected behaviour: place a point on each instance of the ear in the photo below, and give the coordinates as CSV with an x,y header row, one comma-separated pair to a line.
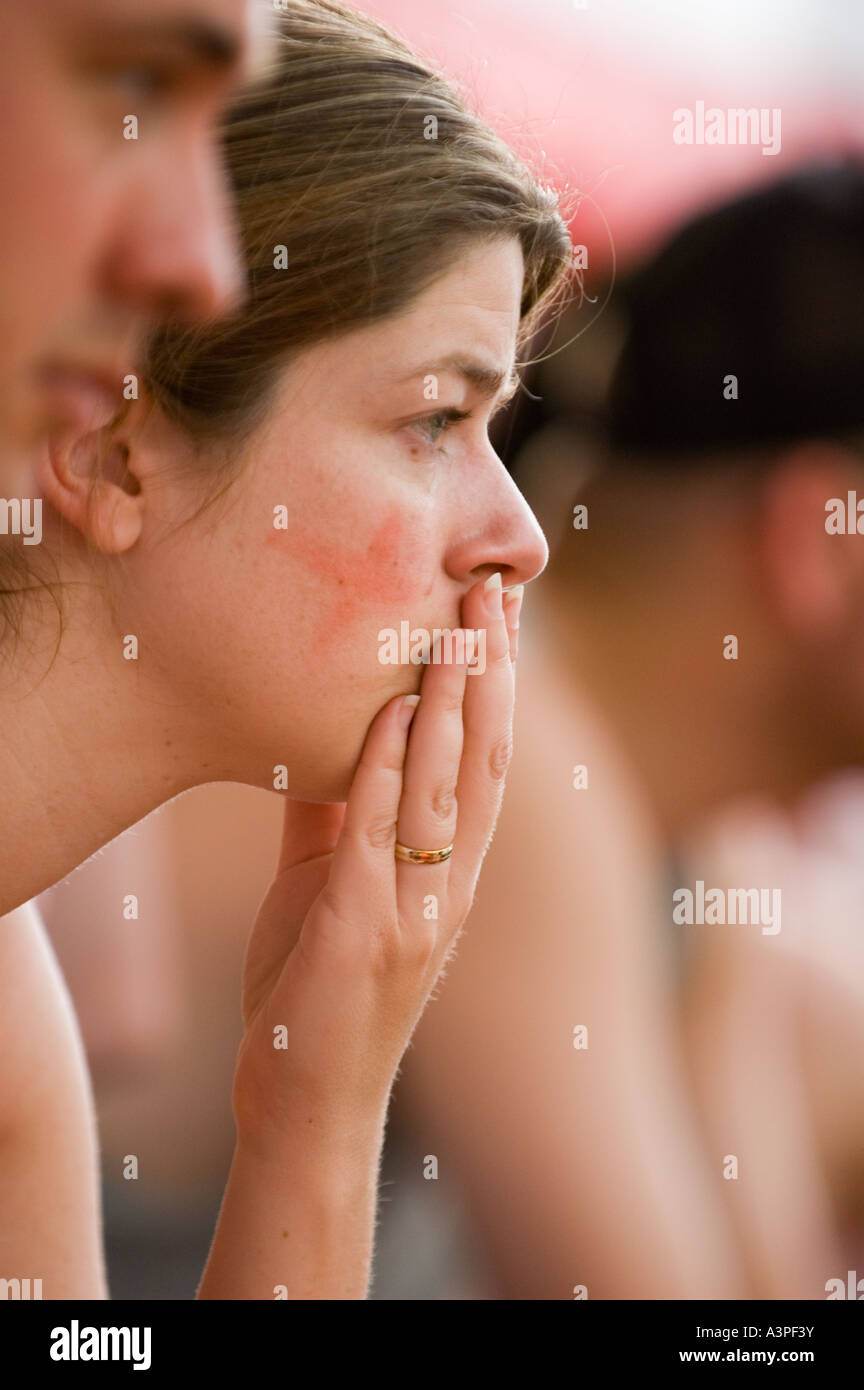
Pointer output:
x,y
91,482
815,577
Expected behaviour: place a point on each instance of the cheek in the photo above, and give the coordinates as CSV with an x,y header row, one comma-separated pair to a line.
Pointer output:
x,y
390,569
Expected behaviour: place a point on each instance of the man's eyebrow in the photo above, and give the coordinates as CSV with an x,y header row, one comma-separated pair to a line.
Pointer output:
x,y
487,380
213,45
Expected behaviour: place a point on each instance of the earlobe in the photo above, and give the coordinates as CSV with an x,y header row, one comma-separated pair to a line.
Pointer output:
x,y
88,481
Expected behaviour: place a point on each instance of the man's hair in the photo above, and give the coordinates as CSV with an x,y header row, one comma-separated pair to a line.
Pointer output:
x,y
767,290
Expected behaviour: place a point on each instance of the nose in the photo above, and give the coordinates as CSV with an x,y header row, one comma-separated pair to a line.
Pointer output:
x,y
175,253
500,533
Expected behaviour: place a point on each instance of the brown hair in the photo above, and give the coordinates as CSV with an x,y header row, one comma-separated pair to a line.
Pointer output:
x,y
358,173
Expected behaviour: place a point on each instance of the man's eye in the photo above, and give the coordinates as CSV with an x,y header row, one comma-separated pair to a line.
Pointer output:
x,y
148,81
139,81
433,426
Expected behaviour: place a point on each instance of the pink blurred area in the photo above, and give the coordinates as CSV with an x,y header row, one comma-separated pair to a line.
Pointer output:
x,y
593,111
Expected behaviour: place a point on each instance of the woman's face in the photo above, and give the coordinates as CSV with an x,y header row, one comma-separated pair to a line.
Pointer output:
x,y
362,502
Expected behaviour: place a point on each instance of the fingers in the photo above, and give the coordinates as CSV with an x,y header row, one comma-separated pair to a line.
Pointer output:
x,y
488,722
427,811
432,782
362,870
512,601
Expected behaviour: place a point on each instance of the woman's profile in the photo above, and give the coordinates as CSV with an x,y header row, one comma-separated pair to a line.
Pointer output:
x,y
216,569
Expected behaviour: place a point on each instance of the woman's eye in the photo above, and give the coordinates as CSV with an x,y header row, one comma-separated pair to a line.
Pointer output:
x,y
433,426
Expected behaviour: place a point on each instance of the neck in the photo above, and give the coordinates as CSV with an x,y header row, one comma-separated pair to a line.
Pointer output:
x,y
91,745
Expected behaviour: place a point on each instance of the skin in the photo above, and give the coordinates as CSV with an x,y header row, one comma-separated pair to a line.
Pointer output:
x,y
103,235
343,955
50,1226
760,1054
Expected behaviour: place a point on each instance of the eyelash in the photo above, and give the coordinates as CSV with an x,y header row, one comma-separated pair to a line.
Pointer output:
x,y
448,417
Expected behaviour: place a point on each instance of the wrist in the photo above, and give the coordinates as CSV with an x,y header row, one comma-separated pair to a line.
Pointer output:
x,y
311,1145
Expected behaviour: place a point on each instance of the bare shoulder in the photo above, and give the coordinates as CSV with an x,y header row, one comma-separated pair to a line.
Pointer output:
x,y
39,1037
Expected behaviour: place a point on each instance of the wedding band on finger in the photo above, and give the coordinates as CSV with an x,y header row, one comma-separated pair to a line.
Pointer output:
x,y
406,855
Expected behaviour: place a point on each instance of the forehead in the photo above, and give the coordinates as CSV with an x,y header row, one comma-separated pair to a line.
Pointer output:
x,y
234,12
470,310
216,31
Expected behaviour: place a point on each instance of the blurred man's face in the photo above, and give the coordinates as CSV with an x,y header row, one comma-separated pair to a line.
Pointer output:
x,y
102,233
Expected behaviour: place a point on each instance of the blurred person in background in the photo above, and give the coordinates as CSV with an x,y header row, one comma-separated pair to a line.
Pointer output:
x,y
735,425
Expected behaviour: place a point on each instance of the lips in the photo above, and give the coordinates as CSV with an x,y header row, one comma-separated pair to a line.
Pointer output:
x,y
81,397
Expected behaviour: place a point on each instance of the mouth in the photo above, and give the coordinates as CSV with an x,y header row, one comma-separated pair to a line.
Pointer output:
x,y
81,396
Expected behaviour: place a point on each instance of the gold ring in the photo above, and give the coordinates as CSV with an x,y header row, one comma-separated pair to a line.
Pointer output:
x,y
422,856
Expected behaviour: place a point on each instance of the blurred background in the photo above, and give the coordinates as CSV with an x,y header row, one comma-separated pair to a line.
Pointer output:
x,y
563,1170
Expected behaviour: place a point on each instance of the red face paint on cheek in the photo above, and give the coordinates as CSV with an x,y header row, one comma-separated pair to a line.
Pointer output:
x,y
384,572
387,562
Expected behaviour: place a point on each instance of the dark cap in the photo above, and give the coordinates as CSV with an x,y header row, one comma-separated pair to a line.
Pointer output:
x,y
768,289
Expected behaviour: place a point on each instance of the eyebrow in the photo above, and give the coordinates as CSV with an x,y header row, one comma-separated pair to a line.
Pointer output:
x,y
213,45
487,380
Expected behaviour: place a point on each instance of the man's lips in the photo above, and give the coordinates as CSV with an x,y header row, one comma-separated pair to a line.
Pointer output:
x,y
81,397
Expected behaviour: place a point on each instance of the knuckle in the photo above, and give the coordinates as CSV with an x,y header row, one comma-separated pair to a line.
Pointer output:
x,y
379,760
451,700
442,801
380,832
500,755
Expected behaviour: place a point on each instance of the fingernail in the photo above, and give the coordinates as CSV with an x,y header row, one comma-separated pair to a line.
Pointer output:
x,y
513,604
406,710
492,593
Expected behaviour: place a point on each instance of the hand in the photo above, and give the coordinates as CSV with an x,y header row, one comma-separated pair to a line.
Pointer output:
x,y
349,942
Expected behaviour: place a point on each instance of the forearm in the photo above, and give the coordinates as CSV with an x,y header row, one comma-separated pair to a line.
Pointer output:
x,y
297,1225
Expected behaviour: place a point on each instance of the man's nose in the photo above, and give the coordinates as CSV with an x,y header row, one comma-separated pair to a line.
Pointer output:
x,y
178,254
